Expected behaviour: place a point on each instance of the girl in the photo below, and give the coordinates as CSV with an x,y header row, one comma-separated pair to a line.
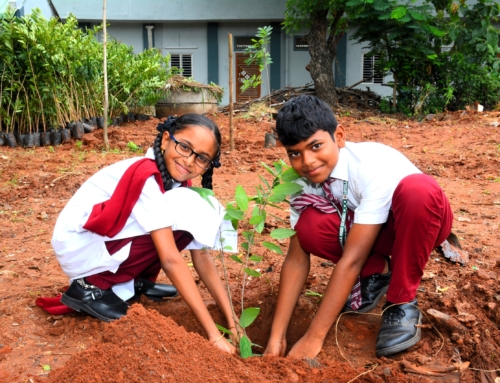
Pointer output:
x,y
131,219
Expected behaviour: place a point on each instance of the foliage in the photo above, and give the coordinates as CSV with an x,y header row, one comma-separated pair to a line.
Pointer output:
x,y
326,22
258,54
268,194
411,42
51,73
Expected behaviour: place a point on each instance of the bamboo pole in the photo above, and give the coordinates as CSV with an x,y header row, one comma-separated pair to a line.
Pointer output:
x,y
105,69
231,129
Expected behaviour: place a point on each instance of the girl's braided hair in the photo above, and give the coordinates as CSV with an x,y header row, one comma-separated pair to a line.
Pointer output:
x,y
174,124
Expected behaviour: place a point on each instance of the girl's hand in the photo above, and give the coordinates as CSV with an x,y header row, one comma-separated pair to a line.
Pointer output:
x,y
237,333
224,345
276,347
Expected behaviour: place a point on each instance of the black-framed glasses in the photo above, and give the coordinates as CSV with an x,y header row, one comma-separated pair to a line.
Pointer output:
x,y
184,150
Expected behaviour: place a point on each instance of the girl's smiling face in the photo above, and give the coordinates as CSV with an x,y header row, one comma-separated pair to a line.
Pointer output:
x,y
198,138
316,157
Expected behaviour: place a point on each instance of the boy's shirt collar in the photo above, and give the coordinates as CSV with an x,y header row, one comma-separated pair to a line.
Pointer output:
x,y
341,170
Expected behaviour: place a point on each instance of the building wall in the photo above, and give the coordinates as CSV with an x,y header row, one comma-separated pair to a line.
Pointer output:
x,y
354,71
173,10
127,33
42,4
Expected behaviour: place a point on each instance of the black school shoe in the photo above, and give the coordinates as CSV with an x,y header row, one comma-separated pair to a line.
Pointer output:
x,y
398,331
154,291
101,304
373,288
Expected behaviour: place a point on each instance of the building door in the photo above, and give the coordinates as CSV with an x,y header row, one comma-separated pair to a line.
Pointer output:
x,y
244,71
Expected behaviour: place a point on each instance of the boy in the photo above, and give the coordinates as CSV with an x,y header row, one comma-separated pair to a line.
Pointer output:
x,y
360,204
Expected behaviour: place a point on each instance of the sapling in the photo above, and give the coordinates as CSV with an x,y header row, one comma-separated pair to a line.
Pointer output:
x,y
268,194
258,53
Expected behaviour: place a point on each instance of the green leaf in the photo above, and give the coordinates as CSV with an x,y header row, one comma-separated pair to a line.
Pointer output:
x,y
282,233
204,193
255,258
287,188
273,247
277,197
252,272
255,220
46,367
232,213
223,329
399,12
248,316
245,347
265,182
290,175
269,169
436,32
234,257
241,198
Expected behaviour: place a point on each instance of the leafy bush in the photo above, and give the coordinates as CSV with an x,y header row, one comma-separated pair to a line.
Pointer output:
x,y
51,73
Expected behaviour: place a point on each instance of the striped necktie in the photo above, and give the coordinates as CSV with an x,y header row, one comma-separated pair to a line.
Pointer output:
x,y
330,205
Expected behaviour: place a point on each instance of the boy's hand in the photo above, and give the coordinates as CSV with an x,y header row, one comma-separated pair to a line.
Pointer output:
x,y
276,347
306,348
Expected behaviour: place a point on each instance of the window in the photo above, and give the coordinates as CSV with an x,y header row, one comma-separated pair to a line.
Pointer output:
x,y
300,43
183,62
369,75
242,43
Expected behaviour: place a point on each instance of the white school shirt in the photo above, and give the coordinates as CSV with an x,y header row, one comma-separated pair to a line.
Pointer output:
x,y
81,253
373,171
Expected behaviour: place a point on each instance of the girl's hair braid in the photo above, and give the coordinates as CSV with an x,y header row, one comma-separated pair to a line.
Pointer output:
x,y
172,125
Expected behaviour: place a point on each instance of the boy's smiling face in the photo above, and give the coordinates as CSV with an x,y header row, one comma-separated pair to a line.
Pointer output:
x,y
315,157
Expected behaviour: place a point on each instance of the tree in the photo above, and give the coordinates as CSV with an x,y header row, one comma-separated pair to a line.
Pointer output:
x,y
326,24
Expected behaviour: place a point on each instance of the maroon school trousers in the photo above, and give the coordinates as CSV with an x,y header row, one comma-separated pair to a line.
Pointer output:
x,y
420,219
142,262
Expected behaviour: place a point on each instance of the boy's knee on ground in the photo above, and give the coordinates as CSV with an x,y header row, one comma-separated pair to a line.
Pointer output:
x,y
317,233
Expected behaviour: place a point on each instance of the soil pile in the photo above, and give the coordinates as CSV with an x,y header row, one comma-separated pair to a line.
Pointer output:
x,y
145,346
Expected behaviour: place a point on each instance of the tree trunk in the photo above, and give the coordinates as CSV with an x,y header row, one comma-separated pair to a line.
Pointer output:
x,y
321,65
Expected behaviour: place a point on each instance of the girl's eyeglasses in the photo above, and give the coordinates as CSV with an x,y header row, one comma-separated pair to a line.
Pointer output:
x,y
185,151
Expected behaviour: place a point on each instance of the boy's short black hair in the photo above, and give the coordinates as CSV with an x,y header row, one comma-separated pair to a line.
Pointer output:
x,y
301,117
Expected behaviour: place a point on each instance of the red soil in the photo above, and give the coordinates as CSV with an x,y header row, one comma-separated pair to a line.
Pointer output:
x,y
149,345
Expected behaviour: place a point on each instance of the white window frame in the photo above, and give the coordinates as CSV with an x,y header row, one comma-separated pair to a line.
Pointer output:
x,y
180,66
376,79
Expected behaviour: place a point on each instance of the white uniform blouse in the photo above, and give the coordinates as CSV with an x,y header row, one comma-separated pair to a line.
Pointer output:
x,y
81,253
373,171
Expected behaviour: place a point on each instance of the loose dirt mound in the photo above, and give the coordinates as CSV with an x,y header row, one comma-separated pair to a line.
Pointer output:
x,y
145,346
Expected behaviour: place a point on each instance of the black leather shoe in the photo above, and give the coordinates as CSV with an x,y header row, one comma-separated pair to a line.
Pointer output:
x,y
154,291
373,288
102,304
398,331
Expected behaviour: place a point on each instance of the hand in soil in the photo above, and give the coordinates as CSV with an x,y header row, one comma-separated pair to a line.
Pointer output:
x,y
225,346
276,348
236,335
305,348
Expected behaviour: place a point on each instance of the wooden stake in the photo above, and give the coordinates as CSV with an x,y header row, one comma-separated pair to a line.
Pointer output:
x,y
231,129
105,70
